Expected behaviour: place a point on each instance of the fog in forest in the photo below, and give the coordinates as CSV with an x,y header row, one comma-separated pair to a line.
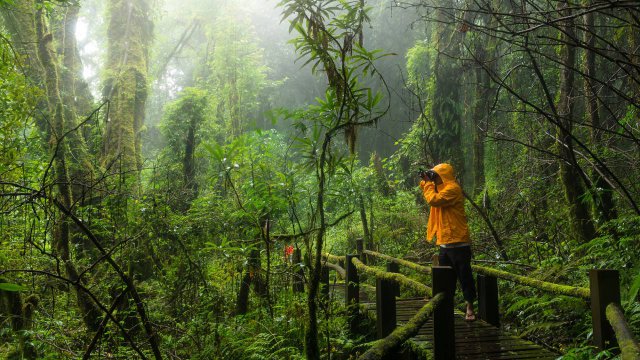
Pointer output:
x,y
319,179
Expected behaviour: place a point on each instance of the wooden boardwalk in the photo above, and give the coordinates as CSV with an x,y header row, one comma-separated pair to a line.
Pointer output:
x,y
474,340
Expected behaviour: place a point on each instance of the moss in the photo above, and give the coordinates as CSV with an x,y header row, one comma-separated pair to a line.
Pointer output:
x,y
409,264
399,278
629,348
573,291
557,289
419,350
401,334
129,36
334,258
337,268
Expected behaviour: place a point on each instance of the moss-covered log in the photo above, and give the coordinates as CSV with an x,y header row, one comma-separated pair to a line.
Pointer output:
x,y
409,264
574,291
559,289
401,334
337,268
334,258
629,348
399,278
421,351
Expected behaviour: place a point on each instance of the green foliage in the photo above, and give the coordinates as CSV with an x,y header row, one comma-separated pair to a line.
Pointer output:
x,y
17,101
11,287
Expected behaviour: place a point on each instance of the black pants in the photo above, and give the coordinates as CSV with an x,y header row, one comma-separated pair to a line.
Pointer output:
x,y
459,258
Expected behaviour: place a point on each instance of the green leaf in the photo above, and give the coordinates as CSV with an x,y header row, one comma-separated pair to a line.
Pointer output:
x,y
633,291
12,287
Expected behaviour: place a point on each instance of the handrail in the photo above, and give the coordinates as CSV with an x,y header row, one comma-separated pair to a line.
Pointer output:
x,y
340,270
629,348
399,278
334,257
406,263
574,291
383,346
343,273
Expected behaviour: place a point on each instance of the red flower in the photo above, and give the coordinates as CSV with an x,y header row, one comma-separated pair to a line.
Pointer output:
x,y
288,251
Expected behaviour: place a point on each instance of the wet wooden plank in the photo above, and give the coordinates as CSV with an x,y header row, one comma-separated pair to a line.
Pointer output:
x,y
474,340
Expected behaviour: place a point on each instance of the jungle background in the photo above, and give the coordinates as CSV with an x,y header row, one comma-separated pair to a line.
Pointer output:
x,y
160,159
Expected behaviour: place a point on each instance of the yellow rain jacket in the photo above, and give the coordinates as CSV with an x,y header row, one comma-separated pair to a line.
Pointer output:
x,y
447,219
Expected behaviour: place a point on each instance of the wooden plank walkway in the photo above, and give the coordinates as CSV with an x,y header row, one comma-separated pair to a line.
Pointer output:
x,y
474,340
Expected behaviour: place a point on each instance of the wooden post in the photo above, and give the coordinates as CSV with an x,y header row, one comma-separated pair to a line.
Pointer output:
x,y
488,299
324,283
394,268
444,342
298,272
605,289
352,293
385,307
360,249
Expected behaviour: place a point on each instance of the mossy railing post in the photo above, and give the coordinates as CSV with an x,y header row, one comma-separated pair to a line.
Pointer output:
x,y
444,343
360,250
605,289
488,299
352,293
394,268
298,272
385,307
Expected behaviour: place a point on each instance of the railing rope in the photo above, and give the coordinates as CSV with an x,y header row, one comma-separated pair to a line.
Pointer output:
x,y
401,334
334,258
574,291
409,264
603,293
337,268
413,284
629,348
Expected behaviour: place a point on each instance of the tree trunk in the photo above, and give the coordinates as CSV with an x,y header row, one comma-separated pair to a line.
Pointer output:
x,y
188,163
62,231
250,277
446,109
604,206
570,174
128,37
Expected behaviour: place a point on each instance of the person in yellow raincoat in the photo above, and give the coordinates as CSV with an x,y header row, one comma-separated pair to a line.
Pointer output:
x,y
448,223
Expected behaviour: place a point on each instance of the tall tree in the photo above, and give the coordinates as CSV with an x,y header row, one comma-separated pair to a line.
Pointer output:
x,y
604,207
129,35
570,174
446,110
60,152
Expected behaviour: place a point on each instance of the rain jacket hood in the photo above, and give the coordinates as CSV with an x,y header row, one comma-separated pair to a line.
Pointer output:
x,y
447,218
446,172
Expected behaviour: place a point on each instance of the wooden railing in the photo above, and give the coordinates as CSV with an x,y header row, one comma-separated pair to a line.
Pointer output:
x,y
440,306
603,295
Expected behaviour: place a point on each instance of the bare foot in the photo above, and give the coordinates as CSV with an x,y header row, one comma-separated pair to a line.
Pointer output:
x,y
470,316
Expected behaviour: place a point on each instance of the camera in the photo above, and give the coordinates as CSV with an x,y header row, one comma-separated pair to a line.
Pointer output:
x,y
429,174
